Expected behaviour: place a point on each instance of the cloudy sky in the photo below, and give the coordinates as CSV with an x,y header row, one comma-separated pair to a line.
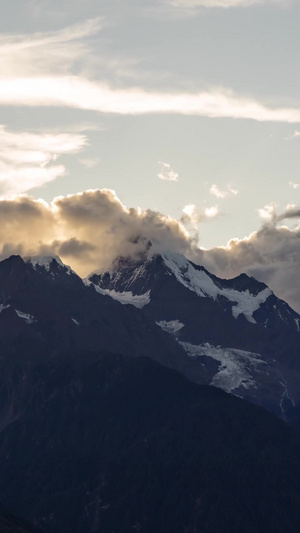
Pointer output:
x,y
181,118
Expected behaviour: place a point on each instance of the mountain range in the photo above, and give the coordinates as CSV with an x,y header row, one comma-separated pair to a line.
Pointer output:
x,y
113,418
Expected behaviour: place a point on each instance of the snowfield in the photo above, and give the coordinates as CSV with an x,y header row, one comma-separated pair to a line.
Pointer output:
x,y
203,285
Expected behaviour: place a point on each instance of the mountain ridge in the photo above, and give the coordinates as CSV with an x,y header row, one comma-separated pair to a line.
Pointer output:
x,y
238,323
233,334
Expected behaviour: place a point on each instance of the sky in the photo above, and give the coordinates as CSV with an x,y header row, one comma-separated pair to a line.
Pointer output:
x,y
174,121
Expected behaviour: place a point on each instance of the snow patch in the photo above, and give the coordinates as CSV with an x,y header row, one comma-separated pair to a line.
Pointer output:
x,y
29,319
171,327
237,366
285,395
45,261
203,285
125,298
138,300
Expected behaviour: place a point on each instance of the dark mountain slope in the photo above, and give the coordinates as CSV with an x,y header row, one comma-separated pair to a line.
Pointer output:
x,y
11,524
111,444
245,338
241,312
46,309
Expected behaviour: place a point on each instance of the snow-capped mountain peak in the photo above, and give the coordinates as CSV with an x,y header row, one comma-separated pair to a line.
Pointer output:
x,y
49,263
197,279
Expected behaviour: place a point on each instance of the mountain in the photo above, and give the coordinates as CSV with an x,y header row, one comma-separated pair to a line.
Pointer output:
x,y
98,435
46,309
100,443
234,334
246,340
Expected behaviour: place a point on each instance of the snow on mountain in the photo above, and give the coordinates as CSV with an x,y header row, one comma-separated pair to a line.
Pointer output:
x,y
29,319
171,326
46,262
244,338
236,366
202,284
126,297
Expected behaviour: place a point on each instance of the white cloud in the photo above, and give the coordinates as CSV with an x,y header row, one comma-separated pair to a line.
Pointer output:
x,y
166,172
80,93
26,158
268,213
57,69
211,212
221,194
294,185
193,215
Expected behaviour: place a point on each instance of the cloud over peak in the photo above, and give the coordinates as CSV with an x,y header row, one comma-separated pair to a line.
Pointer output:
x,y
90,229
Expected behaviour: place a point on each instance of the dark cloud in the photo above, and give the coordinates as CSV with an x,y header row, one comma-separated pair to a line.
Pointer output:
x,y
73,247
271,254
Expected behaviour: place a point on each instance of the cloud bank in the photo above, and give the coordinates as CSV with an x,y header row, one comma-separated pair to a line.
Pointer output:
x,y
271,255
90,229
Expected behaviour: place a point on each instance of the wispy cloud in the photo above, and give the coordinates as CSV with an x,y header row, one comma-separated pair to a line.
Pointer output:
x,y
166,172
269,213
191,4
80,93
89,162
294,136
221,194
26,158
41,53
57,69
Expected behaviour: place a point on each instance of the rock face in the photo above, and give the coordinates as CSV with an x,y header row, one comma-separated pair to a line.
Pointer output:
x,y
111,443
46,309
245,339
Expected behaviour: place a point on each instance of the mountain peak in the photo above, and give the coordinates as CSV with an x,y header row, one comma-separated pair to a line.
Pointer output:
x,y
49,263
